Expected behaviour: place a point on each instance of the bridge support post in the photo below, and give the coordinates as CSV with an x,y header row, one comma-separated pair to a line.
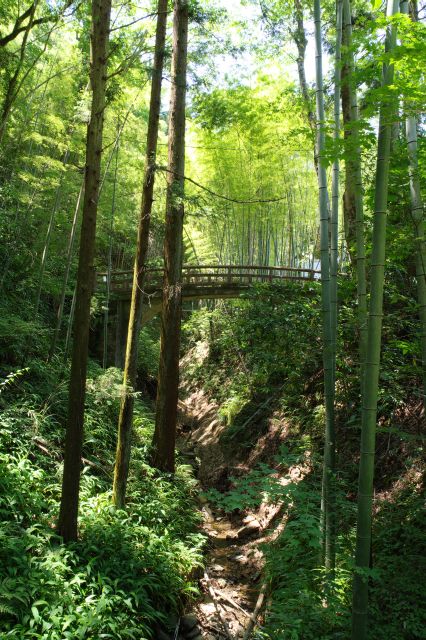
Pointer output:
x,y
117,330
122,323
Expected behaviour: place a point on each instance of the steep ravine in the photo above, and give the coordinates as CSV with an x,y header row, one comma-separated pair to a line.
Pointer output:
x,y
232,580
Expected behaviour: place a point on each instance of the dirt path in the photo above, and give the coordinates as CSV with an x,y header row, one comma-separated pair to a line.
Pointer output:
x,y
232,577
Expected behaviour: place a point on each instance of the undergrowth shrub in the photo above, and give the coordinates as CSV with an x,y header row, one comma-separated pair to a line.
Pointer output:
x,y
149,351
260,341
399,557
297,606
129,569
269,344
20,336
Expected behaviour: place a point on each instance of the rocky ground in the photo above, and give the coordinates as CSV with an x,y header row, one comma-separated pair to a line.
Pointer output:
x,y
231,583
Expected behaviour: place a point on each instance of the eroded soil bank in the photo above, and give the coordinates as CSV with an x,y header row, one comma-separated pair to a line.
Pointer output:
x,y
232,585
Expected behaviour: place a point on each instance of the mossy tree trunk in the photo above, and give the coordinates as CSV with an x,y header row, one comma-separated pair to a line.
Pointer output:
x,y
122,457
163,446
67,525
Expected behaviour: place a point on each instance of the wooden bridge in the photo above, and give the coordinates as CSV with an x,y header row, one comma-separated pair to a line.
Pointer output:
x,y
198,282
203,281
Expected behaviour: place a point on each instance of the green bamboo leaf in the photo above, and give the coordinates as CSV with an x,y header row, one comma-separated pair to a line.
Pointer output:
x,y
35,613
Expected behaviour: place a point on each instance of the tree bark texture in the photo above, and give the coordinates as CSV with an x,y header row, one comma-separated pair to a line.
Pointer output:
x,y
349,208
354,196
299,37
67,525
168,381
122,458
334,221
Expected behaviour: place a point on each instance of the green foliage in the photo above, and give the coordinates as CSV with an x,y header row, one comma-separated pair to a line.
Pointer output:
x,y
128,569
248,139
399,553
297,609
149,351
232,406
11,378
267,345
20,335
262,340
245,134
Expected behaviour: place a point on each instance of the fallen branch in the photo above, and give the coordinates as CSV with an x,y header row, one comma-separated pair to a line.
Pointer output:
x,y
218,611
212,627
231,602
264,404
254,616
50,450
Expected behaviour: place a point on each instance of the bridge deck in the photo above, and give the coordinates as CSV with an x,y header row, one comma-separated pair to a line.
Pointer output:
x,y
203,281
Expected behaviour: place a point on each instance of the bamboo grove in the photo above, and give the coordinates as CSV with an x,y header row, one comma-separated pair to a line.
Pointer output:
x,y
125,146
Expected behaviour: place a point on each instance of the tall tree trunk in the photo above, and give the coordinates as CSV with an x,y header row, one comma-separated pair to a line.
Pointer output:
x,y
372,368
418,221
130,368
168,378
67,525
334,225
329,450
347,93
329,444
353,180
414,10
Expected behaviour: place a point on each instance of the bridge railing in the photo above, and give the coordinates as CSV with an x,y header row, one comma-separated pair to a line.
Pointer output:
x,y
207,275
241,274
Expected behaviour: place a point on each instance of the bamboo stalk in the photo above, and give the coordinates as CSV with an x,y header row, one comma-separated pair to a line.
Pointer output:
x,y
372,369
328,506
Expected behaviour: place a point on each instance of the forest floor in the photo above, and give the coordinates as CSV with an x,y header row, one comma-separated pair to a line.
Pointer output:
x,y
231,582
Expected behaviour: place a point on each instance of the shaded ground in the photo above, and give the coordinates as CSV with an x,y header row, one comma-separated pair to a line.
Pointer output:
x,y
232,580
